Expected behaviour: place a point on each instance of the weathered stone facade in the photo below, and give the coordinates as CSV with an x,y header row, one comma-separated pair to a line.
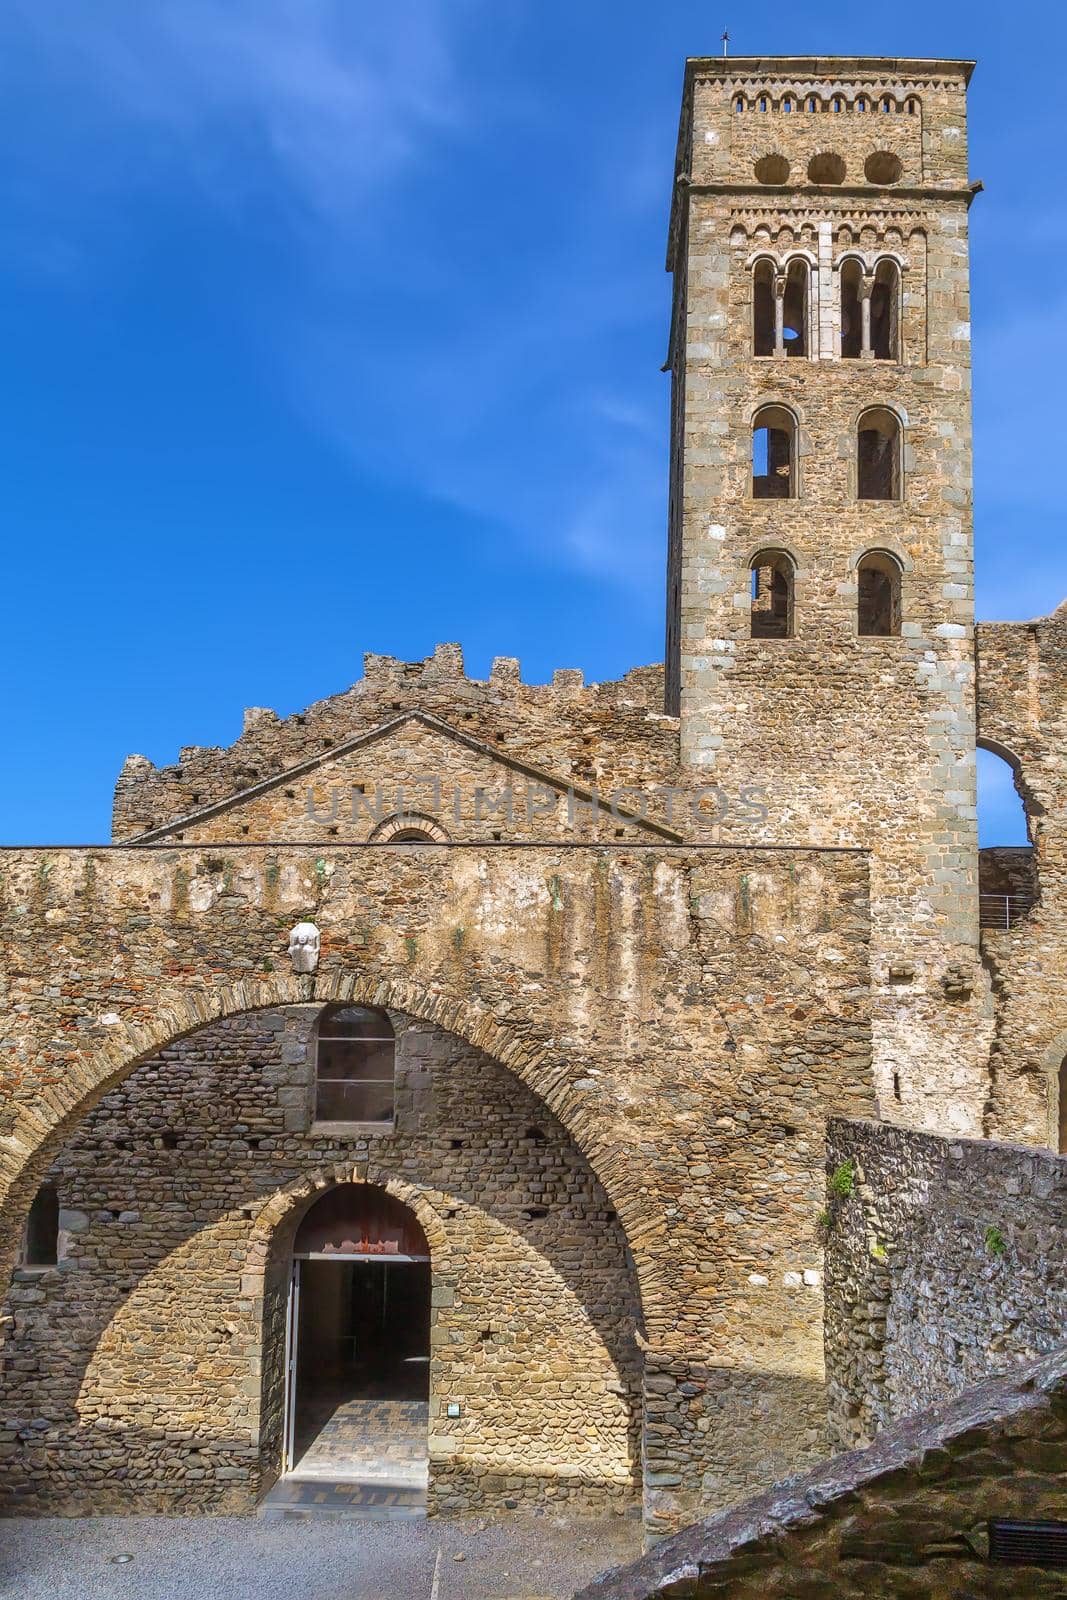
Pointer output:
x,y
640,940
690,1015
1022,716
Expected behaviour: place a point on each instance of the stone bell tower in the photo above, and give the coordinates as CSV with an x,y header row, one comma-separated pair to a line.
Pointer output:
x,y
820,633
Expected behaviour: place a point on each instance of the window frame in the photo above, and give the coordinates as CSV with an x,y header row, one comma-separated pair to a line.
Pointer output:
x,y
324,1124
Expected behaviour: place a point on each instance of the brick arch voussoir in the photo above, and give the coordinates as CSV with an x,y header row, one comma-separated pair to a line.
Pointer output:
x,y
45,1127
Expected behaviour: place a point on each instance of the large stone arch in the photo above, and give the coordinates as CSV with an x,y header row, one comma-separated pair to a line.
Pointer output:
x,y
128,1047
158,1316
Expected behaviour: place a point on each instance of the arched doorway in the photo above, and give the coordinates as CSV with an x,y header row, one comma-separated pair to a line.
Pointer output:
x,y
358,1348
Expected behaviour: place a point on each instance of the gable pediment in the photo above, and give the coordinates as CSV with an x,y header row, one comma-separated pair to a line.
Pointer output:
x,y
412,771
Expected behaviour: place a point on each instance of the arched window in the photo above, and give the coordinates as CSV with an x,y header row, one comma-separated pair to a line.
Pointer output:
x,y
851,280
795,309
885,313
878,456
878,596
355,1055
739,103
763,314
772,595
773,454
41,1239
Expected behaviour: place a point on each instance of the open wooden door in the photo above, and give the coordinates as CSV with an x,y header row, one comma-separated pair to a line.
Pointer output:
x,y
292,1336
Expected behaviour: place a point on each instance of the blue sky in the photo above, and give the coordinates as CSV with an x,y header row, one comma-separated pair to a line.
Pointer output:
x,y
329,326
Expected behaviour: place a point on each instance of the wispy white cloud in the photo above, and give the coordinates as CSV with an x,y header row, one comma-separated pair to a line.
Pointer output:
x,y
340,96
503,399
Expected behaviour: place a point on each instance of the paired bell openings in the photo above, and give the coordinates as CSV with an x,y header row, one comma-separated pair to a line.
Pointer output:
x,y
772,595
870,311
878,595
780,313
878,452
774,452
355,1066
40,1242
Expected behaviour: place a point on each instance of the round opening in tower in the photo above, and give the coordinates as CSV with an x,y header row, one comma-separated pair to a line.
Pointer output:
x,y
772,169
826,168
882,167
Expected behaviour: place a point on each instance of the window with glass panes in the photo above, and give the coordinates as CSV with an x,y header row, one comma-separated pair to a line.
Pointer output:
x,y
354,1066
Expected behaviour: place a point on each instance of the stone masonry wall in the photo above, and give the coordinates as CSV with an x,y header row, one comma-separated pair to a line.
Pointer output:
x,y
944,1265
132,1371
690,1015
609,734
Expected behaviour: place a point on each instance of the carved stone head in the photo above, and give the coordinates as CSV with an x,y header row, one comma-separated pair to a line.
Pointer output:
x,y
304,943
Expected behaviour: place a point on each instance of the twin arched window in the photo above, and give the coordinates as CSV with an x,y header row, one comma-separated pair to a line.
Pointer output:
x,y
355,1066
879,451
878,598
870,308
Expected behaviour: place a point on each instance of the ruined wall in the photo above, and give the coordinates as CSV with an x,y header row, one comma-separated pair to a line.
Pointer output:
x,y
1022,716
853,739
944,1265
908,1517
603,734
691,1015
131,1374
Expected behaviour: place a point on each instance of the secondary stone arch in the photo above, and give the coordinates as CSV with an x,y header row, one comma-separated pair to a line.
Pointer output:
x,y
129,1045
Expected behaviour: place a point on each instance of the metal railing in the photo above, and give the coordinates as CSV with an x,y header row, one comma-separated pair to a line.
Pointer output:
x,y
1003,910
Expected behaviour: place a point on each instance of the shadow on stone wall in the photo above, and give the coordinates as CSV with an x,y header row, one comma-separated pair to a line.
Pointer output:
x,y
132,1370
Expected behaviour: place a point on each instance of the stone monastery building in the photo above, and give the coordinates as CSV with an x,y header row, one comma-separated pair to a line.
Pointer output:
x,y
434,1092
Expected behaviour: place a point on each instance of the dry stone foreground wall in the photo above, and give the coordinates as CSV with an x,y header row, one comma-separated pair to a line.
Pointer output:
x,y
689,1015
906,1519
945,1264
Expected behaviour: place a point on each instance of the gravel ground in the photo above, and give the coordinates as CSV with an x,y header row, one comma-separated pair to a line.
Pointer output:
x,y
242,1558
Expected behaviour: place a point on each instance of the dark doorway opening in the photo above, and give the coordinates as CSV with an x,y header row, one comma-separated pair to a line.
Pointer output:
x,y
359,1342
364,1335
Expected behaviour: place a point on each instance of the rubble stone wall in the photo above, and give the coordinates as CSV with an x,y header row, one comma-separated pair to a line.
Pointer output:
x,y
944,1265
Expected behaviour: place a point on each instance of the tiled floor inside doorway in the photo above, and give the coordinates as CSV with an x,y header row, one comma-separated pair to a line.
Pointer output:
x,y
360,1457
